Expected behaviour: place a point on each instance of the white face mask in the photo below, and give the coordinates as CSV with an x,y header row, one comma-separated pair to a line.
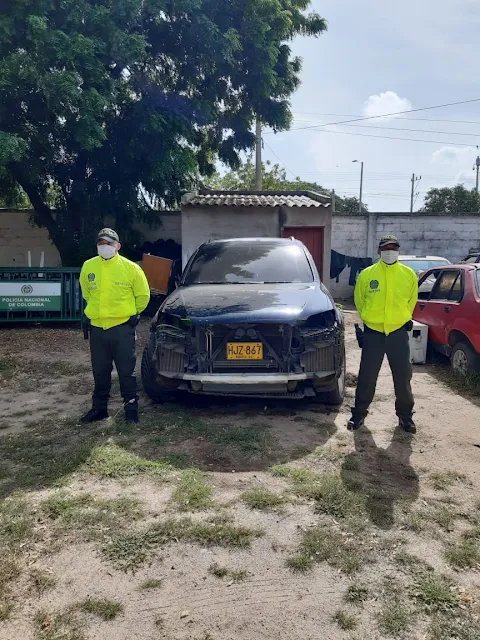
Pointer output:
x,y
106,251
390,257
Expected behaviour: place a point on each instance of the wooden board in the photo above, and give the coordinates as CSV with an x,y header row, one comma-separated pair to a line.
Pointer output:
x,y
157,271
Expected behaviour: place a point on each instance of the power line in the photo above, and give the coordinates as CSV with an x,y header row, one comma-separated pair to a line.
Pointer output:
x,y
369,135
372,126
349,115
282,163
397,113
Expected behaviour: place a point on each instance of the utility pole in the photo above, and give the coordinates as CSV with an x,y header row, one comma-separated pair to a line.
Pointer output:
x,y
334,200
477,163
360,202
258,155
415,180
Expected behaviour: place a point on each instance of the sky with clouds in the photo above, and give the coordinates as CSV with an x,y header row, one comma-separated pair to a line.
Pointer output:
x,y
383,57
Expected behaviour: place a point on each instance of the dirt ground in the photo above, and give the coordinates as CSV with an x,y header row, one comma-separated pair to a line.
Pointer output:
x,y
239,520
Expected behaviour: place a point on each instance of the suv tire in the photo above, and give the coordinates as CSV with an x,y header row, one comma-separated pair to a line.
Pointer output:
x,y
463,359
337,395
152,384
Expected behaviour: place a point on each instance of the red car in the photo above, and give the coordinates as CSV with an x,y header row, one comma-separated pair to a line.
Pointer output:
x,y
449,304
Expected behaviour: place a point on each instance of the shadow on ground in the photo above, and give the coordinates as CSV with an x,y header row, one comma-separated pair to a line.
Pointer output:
x,y
215,436
385,475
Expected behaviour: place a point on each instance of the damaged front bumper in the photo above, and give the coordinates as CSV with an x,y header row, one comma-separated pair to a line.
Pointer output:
x,y
298,361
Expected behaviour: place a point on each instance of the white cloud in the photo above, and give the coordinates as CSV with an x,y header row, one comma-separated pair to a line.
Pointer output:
x,y
458,156
386,102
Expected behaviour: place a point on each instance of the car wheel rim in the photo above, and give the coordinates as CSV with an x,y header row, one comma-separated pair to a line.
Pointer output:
x,y
460,362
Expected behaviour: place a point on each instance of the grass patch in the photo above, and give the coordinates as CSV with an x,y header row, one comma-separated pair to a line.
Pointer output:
x,y
464,384
150,584
262,499
436,593
193,492
6,610
448,627
325,544
59,626
463,555
444,516
177,460
351,463
442,481
395,618
45,455
223,572
128,551
111,461
411,563
9,571
413,520
345,620
357,593
16,522
101,607
177,425
91,517
294,474
42,580
334,498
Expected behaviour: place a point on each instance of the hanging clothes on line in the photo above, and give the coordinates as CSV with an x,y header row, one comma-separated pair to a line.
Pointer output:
x,y
339,262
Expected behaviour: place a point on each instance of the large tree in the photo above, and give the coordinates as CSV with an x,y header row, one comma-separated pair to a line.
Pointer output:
x,y
113,104
451,200
274,178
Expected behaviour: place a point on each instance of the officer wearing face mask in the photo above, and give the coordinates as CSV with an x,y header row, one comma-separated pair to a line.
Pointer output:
x,y
116,291
385,297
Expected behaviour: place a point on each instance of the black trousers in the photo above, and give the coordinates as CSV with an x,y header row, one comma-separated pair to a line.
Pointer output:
x,y
115,345
375,346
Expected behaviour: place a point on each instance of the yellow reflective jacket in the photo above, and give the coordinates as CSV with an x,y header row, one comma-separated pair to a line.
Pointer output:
x,y
385,296
115,290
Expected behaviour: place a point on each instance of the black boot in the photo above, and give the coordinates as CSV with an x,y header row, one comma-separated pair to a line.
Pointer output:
x,y
94,415
355,423
131,413
407,424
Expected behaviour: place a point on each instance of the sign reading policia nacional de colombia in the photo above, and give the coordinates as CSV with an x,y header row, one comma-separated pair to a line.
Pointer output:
x,y
30,296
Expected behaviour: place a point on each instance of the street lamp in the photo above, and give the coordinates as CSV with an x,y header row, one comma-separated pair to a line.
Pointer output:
x,y
360,206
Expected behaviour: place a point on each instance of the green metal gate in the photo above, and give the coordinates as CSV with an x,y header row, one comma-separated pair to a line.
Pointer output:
x,y
40,295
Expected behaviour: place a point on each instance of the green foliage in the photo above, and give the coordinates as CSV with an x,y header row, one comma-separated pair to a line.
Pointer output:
x,y
120,107
274,178
451,200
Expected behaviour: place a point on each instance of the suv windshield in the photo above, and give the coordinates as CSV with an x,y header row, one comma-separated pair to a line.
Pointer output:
x,y
249,263
423,265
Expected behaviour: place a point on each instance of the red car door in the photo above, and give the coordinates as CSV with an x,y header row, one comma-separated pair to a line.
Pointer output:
x,y
422,311
441,308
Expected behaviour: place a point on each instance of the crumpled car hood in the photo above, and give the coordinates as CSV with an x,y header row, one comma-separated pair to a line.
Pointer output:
x,y
242,303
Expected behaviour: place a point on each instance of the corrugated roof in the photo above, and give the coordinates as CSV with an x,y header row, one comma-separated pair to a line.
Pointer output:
x,y
256,199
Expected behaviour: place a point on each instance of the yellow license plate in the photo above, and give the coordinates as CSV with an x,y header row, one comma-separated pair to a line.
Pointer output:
x,y
244,351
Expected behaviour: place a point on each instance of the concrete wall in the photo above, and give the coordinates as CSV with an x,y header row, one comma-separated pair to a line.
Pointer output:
x,y
18,236
170,228
449,236
200,224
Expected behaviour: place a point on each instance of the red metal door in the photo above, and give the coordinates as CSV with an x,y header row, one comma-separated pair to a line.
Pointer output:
x,y
312,238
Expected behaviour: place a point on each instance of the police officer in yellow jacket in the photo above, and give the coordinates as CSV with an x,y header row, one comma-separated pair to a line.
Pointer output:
x,y
385,297
116,291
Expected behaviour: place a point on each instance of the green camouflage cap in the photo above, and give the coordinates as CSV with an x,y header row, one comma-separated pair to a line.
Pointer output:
x,y
385,240
109,235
